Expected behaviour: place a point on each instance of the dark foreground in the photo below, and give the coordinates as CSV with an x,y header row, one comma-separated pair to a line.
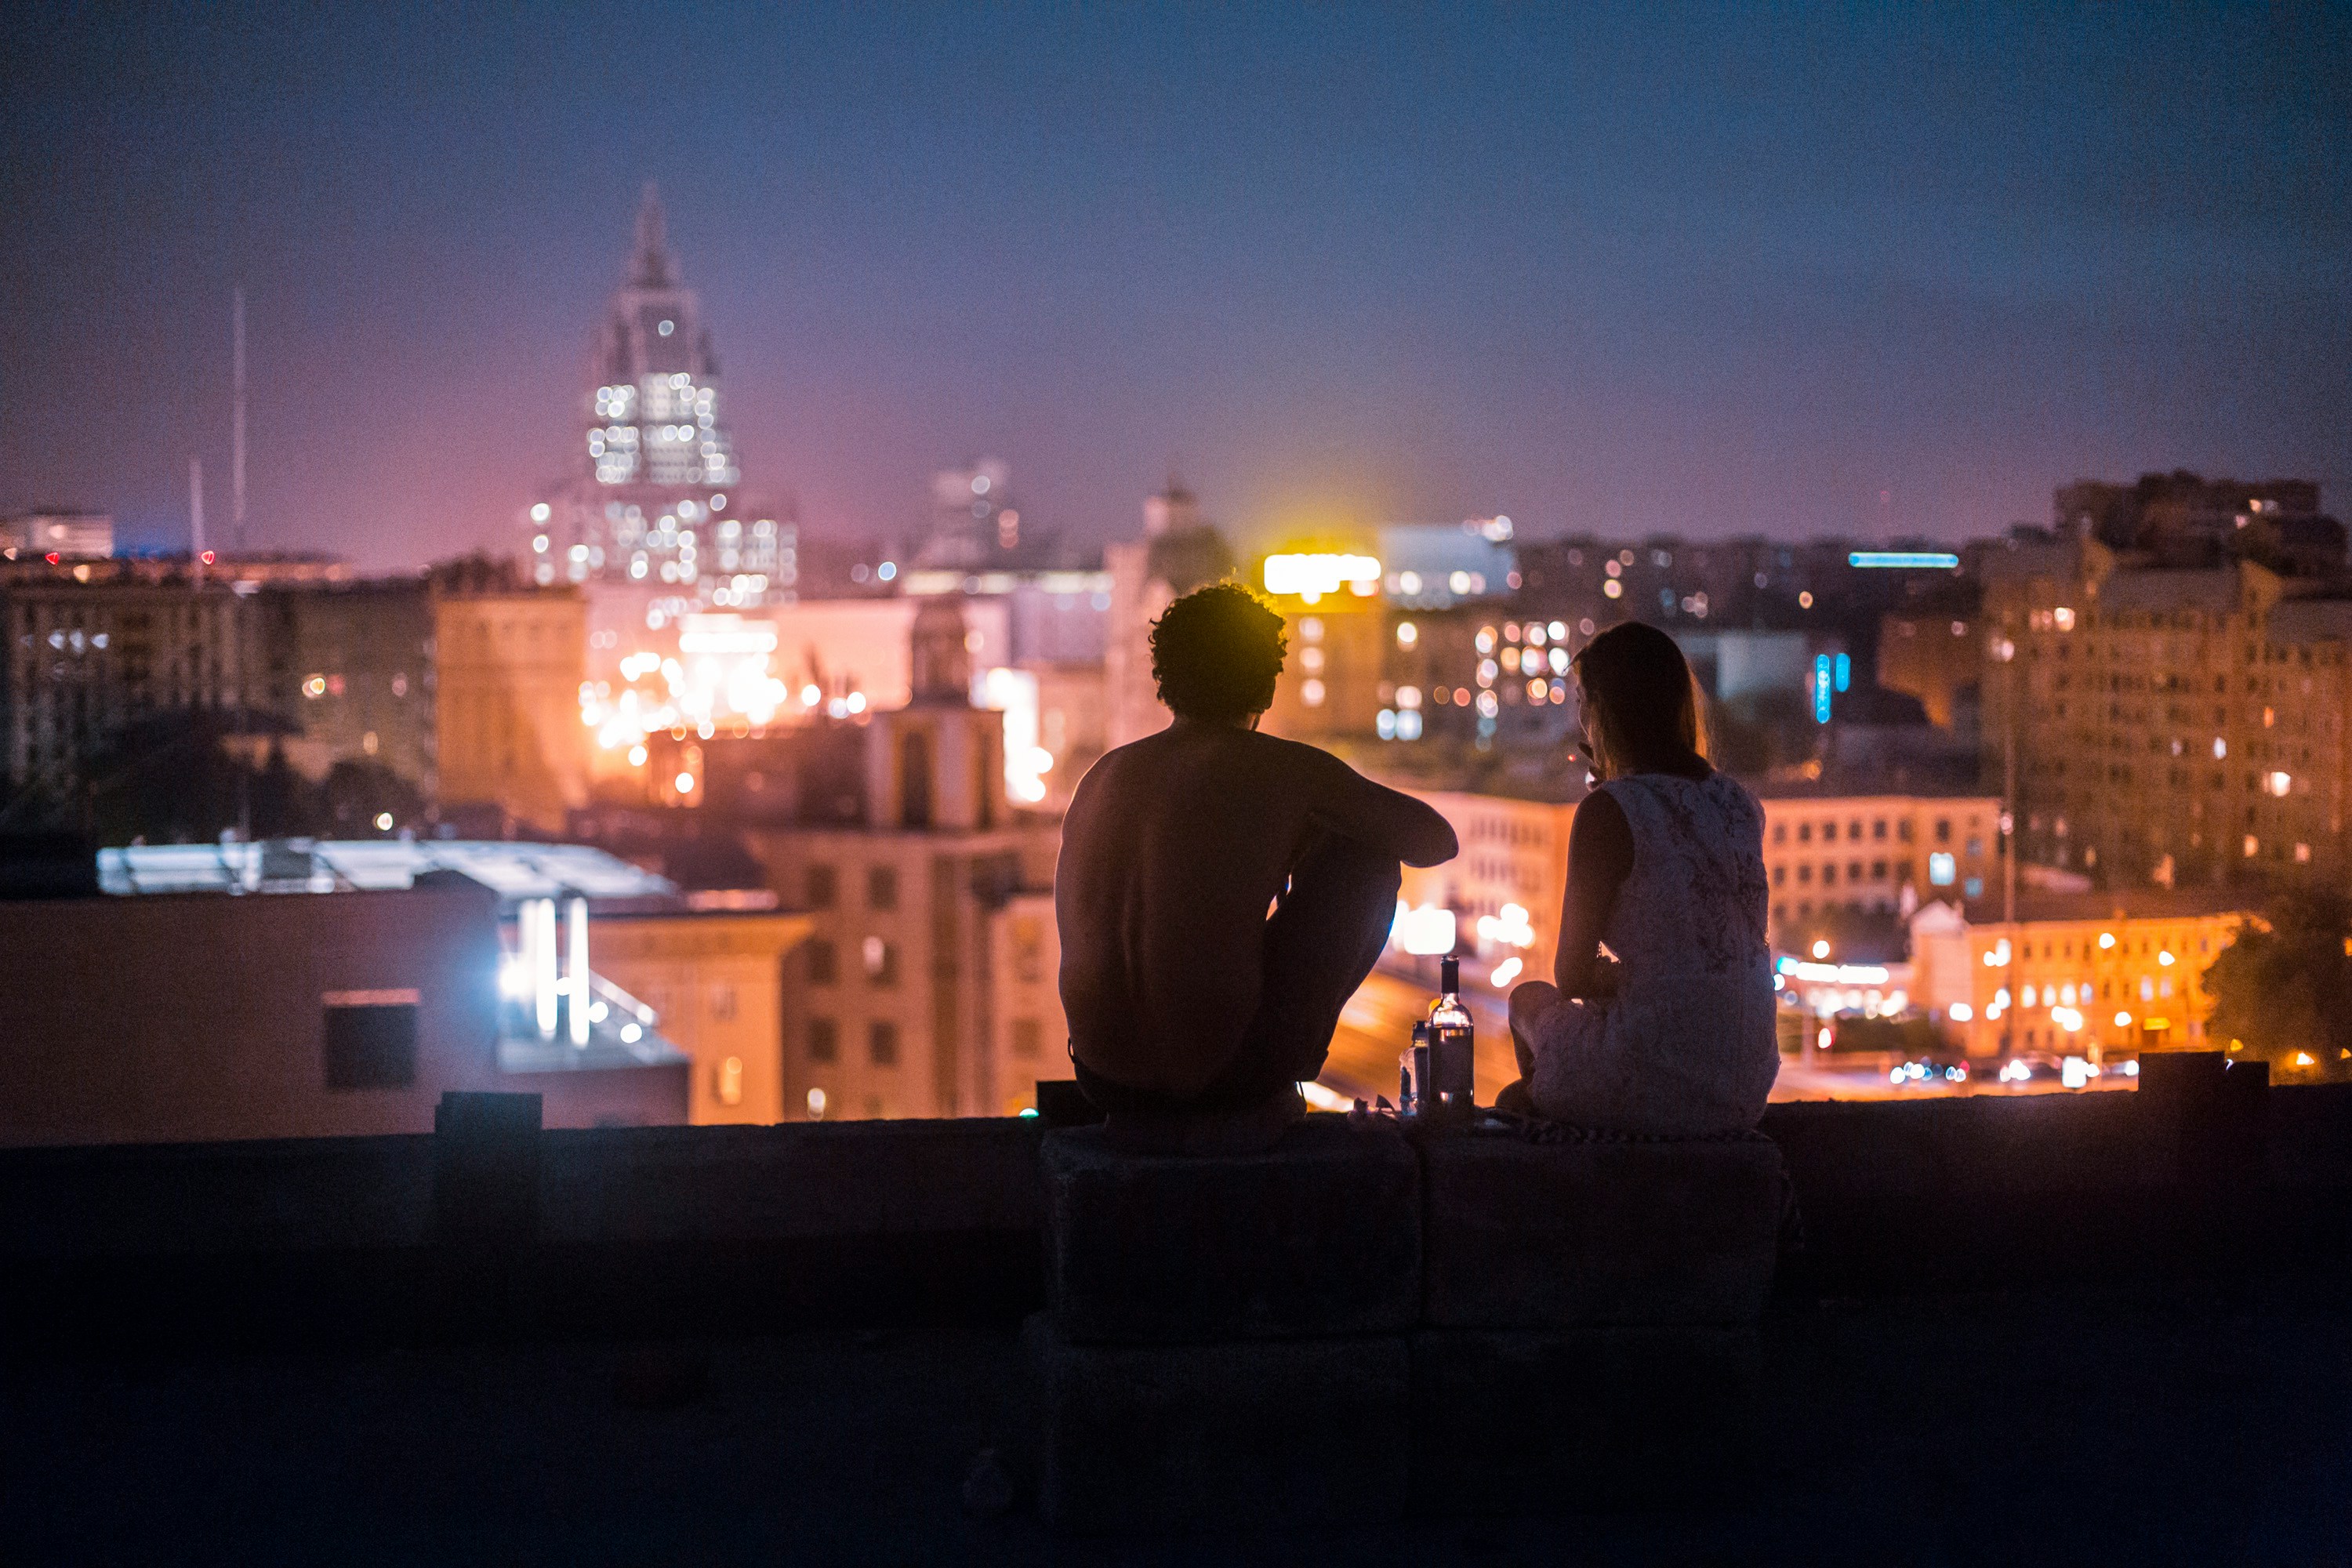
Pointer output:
x,y
2180,1424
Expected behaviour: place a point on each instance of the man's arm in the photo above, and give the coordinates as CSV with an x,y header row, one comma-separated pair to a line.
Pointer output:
x,y
1378,818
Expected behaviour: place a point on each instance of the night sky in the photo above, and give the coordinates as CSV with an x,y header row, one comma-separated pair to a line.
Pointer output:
x,y
1727,274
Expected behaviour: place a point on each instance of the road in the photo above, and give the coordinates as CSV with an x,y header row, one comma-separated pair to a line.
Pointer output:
x,y
1376,1028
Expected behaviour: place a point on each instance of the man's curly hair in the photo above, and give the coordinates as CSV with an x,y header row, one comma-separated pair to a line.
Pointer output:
x,y
1215,653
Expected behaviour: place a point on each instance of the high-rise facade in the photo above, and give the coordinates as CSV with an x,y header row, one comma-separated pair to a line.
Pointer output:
x,y
2174,726
655,496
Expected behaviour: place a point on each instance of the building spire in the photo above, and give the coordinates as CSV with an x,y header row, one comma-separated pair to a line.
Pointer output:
x,y
650,268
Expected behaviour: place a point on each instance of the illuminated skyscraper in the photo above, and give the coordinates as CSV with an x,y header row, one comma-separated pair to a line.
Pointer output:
x,y
655,497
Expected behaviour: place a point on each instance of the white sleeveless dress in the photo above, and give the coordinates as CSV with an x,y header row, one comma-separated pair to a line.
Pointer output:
x,y
1686,1046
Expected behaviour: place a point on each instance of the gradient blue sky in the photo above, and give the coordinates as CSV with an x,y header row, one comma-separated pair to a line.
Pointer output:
x,y
1726,271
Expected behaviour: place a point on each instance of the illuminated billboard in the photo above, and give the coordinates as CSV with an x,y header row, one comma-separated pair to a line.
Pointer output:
x,y
1311,576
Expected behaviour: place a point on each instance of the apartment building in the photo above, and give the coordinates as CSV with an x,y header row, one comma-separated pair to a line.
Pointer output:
x,y
905,853
1029,1036
86,660
510,661
1936,655
2171,725
350,667
1828,855
2077,974
716,978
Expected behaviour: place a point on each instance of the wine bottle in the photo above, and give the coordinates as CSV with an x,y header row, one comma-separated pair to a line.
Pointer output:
x,y
1453,1054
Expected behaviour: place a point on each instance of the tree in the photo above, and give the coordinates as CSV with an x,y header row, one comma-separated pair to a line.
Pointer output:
x,y
359,793
2283,988
167,777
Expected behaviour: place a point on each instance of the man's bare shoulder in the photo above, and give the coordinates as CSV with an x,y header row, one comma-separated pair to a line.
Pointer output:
x,y
1221,747
1180,762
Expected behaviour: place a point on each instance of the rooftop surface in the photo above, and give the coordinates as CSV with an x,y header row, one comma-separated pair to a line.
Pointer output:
x,y
2057,1426
512,871
2119,904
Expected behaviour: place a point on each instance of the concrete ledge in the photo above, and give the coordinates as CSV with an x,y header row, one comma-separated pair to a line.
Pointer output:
x,y
753,1229
1553,1236
1589,1420
1319,1236
824,1180
1216,1438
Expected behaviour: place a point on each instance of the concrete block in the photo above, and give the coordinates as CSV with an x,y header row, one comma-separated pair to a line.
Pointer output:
x,y
1598,1231
1319,1236
1586,1420
1289,1434
485,1159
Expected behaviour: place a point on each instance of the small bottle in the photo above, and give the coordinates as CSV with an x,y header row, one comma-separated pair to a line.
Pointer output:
x,y
1416,1069
1452,1084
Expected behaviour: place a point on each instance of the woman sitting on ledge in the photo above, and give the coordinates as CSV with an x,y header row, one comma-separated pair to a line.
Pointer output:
x,y
1666,865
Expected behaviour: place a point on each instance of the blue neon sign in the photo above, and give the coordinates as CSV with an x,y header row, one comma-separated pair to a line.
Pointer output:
x,y
1904,560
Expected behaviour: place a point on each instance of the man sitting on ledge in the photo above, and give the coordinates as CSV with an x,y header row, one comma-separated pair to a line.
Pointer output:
x,y
1222,894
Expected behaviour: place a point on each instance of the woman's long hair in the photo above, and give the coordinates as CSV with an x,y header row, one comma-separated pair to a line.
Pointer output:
x,y
1642,704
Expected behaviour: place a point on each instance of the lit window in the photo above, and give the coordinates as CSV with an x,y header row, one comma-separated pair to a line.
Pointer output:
x,y
1941,869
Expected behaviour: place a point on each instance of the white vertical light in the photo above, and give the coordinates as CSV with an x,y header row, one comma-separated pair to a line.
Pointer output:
x,y
526,949
543,956
576,970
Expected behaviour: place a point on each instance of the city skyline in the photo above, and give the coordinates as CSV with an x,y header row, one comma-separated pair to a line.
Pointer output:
x,y
1705,277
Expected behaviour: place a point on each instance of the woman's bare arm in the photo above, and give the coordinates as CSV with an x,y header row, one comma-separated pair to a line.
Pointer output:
x,y
1600,859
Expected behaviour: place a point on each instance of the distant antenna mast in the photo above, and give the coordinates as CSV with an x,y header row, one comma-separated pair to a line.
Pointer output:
x,y
195,509
236,420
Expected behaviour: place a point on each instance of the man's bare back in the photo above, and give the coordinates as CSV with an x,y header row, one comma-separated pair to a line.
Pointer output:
x,y
1173,851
